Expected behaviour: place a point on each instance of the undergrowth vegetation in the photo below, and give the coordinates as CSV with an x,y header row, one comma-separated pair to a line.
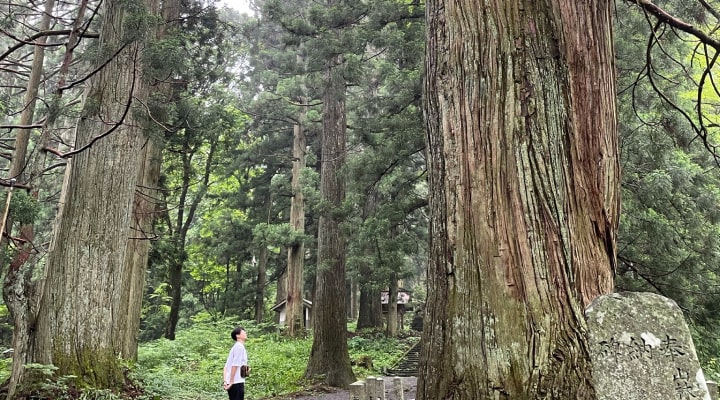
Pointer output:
x,y
190,367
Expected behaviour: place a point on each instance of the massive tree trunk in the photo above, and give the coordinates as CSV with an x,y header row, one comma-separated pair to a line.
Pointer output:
x,y
78,325
524,176
329,354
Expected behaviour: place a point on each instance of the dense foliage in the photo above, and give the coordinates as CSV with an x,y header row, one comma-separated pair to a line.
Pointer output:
x,y
669,240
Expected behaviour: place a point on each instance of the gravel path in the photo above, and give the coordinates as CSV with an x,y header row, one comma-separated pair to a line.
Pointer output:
x,y
331,393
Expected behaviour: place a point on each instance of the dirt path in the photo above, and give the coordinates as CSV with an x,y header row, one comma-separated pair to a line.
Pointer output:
x,y
330,393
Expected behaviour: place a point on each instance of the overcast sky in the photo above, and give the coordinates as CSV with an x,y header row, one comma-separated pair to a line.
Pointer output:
x,y
240,5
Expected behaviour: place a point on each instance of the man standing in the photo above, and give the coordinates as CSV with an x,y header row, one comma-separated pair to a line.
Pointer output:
x,y
233,379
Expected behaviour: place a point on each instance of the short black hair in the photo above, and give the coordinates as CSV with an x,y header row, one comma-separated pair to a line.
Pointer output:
x,y
235,332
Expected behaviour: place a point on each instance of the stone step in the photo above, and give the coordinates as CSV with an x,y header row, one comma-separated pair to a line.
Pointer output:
x,y
408,364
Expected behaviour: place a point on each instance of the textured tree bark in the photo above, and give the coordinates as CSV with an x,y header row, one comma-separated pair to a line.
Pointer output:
x,y
296,253
138,245
329,354
370,315
145,207
78,325
524,200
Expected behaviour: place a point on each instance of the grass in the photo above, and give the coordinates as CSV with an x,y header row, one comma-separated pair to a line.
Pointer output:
x,y
190,367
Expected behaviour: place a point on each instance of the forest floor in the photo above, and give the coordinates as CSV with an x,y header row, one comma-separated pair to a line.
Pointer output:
x,y
322,392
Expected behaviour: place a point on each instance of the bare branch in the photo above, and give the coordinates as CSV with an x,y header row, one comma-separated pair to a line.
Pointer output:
x,y
111,130
30,41
95,71
665,18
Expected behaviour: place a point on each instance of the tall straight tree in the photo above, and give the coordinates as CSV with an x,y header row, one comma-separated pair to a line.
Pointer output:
x,y
18,288
294,310
328,44
385,166
78,326
145,207
329,355
524,198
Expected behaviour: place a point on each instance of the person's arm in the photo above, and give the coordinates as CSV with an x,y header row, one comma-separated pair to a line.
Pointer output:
x,y
233,371
229,379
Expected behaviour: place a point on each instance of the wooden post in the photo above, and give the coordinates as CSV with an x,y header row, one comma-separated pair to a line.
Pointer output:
x,y
398,388
370,388
358,391
379,388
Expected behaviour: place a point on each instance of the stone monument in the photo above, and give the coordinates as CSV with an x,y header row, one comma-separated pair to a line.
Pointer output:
x,y
641,349
713,389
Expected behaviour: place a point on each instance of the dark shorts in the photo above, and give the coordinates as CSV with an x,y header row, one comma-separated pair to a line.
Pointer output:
x,y
237,391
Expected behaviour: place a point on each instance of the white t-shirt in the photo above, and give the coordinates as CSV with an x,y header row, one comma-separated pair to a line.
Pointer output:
x,y
236,358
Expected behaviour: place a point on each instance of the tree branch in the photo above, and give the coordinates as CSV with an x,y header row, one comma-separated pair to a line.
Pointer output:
x,y
30,40
677,23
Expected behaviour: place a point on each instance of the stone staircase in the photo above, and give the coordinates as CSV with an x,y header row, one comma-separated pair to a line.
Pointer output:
x,y
408,365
